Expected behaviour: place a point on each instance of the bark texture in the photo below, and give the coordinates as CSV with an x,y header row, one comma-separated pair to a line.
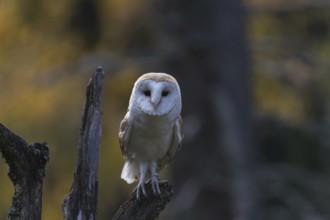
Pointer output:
x,y
26,170
146,208
81,203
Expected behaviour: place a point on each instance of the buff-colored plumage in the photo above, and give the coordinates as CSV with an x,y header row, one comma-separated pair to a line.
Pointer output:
x,y
151,131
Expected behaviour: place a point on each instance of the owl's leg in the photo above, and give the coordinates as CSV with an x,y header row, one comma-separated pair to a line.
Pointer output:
x,y
140,186
154,177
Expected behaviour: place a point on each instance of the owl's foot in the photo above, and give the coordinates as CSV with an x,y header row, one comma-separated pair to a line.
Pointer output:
x,y
155,185
140,189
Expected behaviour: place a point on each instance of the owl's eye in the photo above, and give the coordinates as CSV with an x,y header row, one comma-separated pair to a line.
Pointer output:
x,y
165,93
147,92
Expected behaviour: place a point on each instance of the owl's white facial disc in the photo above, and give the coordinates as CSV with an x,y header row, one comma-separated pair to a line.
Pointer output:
x,y
157,98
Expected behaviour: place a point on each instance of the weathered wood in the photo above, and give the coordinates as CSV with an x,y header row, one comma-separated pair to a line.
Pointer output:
x,y
145,208
81,203
26,170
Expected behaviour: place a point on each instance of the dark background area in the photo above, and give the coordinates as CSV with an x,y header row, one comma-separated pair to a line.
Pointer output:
x,y
255,83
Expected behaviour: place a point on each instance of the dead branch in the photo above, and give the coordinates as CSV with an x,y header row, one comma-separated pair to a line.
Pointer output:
x,y
146,208
81,203
26,170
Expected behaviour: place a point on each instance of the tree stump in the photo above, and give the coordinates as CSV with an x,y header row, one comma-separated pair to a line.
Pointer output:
x,y
81,203
26,170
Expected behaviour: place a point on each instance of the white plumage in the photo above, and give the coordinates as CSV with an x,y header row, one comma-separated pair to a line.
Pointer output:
x,y
151,131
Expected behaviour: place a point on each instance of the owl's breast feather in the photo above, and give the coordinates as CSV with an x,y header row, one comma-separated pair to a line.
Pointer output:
x,y
151,137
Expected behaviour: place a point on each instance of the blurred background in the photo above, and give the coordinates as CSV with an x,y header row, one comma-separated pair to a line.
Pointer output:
x,y
255,81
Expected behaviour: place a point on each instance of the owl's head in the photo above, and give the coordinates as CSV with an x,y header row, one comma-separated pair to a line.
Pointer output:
x,y
156,94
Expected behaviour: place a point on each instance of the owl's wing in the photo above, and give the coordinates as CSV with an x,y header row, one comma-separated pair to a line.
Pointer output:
x,y
124,134
175,146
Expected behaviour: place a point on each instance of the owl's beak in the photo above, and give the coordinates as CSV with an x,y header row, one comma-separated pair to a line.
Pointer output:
x,y
155,100
155,104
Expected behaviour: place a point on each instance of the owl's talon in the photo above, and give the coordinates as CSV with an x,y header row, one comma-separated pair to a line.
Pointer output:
x,y
155,185
140,188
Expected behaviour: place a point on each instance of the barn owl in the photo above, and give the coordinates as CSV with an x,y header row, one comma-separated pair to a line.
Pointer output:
x,y
151,131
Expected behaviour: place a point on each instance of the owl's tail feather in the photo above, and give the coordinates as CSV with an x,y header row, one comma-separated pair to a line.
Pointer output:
x,y
130,172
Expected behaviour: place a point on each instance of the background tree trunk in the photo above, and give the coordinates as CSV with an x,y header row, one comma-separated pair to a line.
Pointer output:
x,y
81,203
26,171
213,172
